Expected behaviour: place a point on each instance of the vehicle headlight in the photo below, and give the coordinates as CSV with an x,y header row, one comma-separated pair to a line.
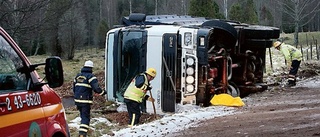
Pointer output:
x,y
190,71
190,88
190,61
190,79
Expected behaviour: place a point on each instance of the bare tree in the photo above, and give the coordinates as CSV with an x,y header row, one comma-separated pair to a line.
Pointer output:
x,y
23,20
72,32
109,11
156,7
224,6
301,12
173,7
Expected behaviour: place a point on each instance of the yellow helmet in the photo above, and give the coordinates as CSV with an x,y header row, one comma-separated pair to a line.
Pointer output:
x,y
276,44
152,72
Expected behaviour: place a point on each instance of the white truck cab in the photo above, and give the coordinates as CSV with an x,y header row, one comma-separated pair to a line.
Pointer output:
x,y
195,58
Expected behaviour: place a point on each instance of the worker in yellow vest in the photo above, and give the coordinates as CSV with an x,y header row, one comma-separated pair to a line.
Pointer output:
x,y
136,92
293,57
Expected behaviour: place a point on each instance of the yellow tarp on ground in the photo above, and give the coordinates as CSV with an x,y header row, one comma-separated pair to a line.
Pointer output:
x,y
226,100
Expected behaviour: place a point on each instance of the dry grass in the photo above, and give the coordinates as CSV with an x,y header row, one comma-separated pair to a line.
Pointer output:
x,y
72,67
304,38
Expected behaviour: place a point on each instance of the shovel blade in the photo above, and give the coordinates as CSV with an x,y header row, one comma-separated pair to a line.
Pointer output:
x,y
226,100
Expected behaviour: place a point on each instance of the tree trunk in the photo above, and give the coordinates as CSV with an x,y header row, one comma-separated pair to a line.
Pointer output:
x,y
296,33
296,21
38,45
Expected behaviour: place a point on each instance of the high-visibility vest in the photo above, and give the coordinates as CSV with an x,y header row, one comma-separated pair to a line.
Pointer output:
x,y
134,93
290,53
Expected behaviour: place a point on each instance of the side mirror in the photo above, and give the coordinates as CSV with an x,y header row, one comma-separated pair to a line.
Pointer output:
x,y
54,72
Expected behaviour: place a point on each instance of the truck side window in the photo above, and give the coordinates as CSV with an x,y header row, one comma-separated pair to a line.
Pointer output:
x,y
10,79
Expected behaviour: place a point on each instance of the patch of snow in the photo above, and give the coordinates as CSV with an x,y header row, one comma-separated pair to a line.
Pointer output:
x,y
188,116
75,123
122,107
313,82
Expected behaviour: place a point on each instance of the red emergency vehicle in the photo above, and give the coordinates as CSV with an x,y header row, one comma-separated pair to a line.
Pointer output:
x,y
28,104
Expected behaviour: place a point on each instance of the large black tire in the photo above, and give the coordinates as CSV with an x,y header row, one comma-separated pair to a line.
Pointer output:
x,y
260,32
233,89
257,43
224,34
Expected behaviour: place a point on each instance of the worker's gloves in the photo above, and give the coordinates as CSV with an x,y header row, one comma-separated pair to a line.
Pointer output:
x,y
149,87
105,92
150,99
101,94
147,97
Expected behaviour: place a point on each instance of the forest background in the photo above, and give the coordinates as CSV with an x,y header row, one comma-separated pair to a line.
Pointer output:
x,y
60,27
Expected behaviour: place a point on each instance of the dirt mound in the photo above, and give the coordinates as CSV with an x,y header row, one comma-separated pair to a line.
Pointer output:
x,y
309,69
122,118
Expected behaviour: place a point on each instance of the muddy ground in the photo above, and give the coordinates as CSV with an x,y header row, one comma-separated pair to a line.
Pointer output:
x,y
275,112
285,112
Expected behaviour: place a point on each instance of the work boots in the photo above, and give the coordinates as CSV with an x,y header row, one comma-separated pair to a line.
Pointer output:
x,y
82,135
290,83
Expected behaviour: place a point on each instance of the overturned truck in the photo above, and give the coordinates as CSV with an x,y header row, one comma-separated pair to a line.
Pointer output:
x,y
195,58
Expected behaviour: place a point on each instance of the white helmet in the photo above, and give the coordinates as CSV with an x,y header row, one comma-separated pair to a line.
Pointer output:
x,y
88,63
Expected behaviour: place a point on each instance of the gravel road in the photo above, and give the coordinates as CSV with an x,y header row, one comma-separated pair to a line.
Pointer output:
x,y
285,112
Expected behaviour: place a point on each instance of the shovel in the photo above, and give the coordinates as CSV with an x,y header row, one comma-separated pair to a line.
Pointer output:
x,y
154,108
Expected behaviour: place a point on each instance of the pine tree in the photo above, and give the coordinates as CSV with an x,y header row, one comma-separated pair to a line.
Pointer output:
x,y
202,8
244,12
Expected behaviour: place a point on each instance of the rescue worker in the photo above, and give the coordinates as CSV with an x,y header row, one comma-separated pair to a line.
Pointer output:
x,y
136,93
293,57
83,85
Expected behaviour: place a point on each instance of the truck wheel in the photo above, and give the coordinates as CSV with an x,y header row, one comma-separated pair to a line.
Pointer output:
x,y
257,43
261,32
233,89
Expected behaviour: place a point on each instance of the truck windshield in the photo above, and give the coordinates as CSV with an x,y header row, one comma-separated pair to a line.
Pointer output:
x,y
131,60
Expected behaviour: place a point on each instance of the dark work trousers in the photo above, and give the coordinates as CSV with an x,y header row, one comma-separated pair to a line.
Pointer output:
x,y
294,67
293,71
143,106
134,111
84,109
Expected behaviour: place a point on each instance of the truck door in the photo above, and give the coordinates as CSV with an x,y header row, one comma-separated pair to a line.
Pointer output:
x,y
129,58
